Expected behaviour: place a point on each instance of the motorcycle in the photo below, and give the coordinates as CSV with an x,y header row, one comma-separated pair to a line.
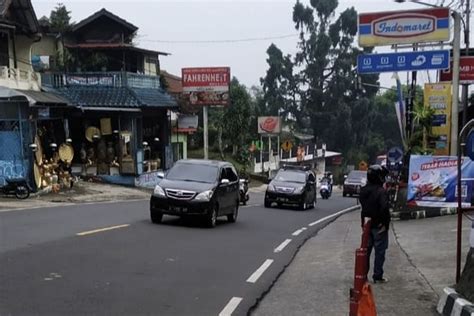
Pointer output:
x,y
244,191
325,190
18,187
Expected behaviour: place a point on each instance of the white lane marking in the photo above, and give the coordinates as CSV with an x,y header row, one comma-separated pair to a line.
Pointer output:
x,y
282,246
464,229
231,306
257,274
299,231
101,230
334,215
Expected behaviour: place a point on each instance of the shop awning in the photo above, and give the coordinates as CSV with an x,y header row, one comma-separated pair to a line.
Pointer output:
x,y
33,97
39,98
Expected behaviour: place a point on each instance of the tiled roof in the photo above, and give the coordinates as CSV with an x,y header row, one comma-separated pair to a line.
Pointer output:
x,y
105,96
104,12
174,82
154,97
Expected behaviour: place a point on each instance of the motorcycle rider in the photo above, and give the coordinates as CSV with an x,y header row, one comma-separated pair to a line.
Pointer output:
x,y
328,178
375,206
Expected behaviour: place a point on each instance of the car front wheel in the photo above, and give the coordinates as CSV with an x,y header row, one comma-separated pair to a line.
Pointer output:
x,y
156,216
211,217
267,203
233,217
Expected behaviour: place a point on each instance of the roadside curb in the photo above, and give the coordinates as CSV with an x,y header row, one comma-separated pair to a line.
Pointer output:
x,y
426,213
452,304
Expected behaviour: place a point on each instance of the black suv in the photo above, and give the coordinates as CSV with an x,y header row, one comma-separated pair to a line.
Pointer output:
x,y
197,187
292,185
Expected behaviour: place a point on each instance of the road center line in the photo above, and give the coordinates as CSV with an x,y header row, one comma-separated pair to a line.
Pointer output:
x,y
334,215
231,306
89,232
257,274
299,231
282,246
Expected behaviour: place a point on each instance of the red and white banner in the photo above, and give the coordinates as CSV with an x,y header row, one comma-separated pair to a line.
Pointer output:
x,y
466,71
206,86
269,125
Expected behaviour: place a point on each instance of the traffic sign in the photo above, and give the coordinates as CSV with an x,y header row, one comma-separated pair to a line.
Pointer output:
x,y
406,61
395,154
287,145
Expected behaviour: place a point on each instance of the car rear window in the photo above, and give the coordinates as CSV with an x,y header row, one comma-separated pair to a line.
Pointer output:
x,y
193,172
290,176
357,175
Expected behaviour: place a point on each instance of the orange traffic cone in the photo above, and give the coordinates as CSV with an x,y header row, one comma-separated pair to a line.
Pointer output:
x,y
366,302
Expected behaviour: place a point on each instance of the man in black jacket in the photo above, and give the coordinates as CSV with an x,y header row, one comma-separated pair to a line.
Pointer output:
x,y
375,207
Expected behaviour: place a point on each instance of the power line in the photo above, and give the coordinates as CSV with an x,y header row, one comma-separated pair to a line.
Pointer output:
x,y
240,40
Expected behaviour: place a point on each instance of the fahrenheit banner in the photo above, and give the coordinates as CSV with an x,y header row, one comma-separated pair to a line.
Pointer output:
x,y
438,97
432,181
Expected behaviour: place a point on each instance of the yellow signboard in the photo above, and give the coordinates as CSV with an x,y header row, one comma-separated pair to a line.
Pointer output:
x,y
438,97
287,145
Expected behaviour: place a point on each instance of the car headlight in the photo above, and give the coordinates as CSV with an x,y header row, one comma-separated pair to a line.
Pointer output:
x,y
271,188
299,190
204,196
159,191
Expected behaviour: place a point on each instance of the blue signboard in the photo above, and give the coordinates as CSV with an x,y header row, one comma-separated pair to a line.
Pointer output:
x,y
407,61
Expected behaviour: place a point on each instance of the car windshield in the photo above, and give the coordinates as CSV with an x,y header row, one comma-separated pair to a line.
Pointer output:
x,y
193,173
357,176
290,176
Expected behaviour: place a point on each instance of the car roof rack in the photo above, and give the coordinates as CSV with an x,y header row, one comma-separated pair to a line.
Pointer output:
x,y
297,167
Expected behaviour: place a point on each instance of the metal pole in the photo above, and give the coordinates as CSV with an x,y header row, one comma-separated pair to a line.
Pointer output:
x,y
465,87
455,107
467,127
261,151
205,132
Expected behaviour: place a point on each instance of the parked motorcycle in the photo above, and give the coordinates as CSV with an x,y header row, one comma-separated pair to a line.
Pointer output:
x,y
244,191
18,187
325,190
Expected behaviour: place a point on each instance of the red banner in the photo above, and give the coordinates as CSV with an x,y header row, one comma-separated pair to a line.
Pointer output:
x,y
206,86
466,71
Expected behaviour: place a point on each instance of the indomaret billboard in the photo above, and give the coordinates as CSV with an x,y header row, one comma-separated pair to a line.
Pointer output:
x,y
206,86
402,27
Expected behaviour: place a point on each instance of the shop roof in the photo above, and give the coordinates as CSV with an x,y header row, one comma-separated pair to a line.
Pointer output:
x,y
124,97
43,98
108,14
174,82
23,9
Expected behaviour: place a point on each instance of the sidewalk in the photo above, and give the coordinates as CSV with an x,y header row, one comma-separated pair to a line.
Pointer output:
x,y
419,263
82,192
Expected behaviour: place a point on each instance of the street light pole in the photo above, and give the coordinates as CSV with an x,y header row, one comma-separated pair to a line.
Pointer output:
x,y
465,87
455,106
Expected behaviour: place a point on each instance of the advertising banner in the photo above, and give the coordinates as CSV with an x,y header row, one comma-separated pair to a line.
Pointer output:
x,y
466,71
269,125
206,86
404,27
432,181
437,96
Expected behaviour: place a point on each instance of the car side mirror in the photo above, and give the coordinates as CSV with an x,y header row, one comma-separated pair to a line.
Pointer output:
x,y
225,181
345,176
160,174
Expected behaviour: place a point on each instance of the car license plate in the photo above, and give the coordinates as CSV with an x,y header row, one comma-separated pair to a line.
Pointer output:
x,y
282,199
178,209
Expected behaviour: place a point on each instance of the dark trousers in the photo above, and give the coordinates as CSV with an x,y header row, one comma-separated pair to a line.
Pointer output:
x,y
378,241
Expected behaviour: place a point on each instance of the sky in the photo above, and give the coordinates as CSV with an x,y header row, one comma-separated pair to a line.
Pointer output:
x,y
161,21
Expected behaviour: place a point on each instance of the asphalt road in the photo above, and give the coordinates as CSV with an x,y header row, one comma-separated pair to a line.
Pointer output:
x,y
109,259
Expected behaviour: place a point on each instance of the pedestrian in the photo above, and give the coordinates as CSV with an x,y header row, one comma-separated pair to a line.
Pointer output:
x,y
375,206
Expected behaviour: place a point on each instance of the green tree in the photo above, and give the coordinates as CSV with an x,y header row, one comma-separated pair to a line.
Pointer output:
x,y
60,19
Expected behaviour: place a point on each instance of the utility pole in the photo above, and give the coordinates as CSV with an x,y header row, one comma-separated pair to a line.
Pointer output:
x,y
455,106
465,87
